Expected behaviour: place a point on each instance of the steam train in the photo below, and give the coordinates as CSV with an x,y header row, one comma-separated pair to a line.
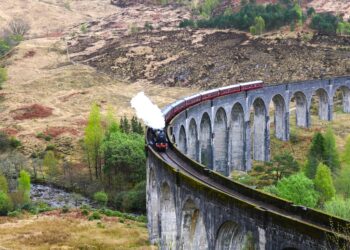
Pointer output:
x,y
159,136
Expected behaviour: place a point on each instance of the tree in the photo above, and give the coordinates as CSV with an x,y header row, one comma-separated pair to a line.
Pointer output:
x,y
346,153
259,26
324,183
19,26
342,181
316,155
101,198
3,184
298,189
24,186
284,165
310,12
5,203
93,141
50,163
124,124
124,159
325,23
331,152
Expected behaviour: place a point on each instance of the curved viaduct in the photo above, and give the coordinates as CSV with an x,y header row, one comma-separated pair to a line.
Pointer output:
x,y
190,202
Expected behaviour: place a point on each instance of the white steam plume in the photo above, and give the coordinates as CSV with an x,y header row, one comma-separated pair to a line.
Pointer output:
x,y
147,111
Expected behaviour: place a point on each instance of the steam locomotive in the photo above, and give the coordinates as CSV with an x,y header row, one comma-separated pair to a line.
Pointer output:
x,y
159,136
159,139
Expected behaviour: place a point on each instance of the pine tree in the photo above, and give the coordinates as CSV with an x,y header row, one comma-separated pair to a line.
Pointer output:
x,y
93,140
134,124
324,183
331,152
316,155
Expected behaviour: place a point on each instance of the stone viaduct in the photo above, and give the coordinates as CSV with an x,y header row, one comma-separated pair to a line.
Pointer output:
x,y
190,202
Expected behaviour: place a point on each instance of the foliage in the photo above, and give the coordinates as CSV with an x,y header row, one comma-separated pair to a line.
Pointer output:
x,y
93,141
3,73
50,163
83,28
101,198
95,216
282,165
3,184
7,142
135,199
124,158
24,186
343,28
310,11
5,203
331,153
346,153
315,155
342,181
324,183
274,16
259,26
298,189
339,207
207,7
148,26
325,23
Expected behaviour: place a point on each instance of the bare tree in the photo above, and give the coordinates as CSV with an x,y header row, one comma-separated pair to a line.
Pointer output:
x,y
19,26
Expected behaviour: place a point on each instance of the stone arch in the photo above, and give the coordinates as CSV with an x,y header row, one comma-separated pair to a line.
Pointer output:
x,y
323,103
279,117
167,218
237,138
231,237
301,110
259,130
182,140
345,96
192,142
205,143
220,142
153,209
193,231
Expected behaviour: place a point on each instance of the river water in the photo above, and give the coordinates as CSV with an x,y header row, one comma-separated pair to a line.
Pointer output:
x,y
56,197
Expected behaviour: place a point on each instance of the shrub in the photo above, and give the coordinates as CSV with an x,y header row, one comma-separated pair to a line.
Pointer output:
x,y
5,203
14,143
95,216
298,189
19,26
339,207
101,198
65,209
3,73
15,213
3,184
325,23
85,212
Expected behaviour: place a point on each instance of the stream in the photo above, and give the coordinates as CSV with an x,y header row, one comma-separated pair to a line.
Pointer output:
x,y
56,197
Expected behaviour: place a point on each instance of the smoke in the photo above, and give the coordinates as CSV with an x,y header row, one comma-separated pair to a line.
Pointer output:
x,y
147,111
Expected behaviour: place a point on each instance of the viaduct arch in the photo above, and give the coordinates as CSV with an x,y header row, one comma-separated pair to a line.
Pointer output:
x,y
190,202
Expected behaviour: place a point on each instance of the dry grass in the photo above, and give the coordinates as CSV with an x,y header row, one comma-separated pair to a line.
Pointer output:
x,y
67,231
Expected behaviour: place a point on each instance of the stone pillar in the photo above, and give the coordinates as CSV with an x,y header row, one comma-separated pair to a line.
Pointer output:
x,y
267,138
247,147
287,126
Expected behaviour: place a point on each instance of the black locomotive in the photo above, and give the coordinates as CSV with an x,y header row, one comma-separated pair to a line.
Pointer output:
x,y
159,139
